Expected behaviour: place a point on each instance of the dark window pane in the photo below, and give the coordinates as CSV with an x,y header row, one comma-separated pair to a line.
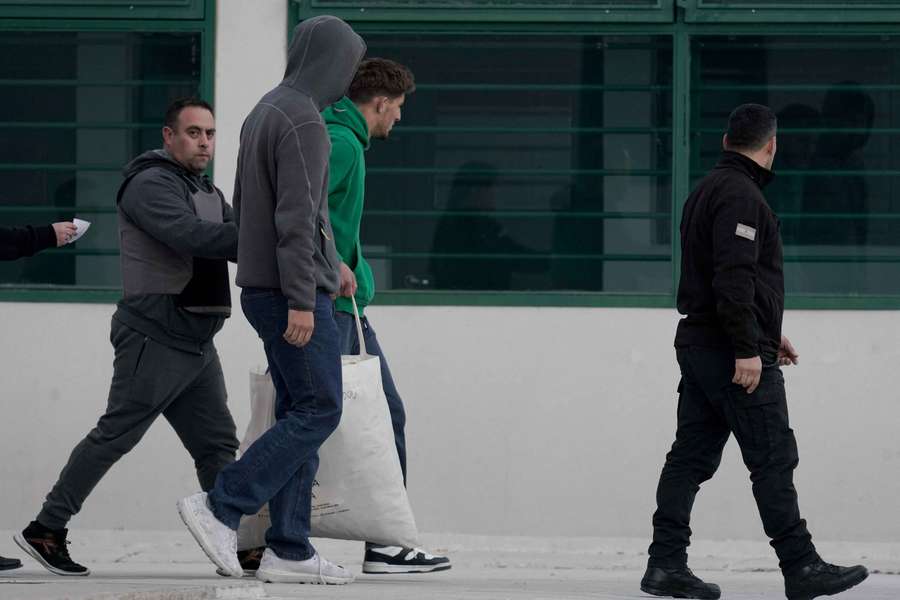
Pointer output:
x,y
525,162
75,107
839,134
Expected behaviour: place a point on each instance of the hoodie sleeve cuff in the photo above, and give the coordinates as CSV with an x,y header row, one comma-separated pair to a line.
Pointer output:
x,y
302,306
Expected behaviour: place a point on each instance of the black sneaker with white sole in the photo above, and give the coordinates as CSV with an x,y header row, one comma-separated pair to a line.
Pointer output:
x,y
48,547
383,560
8,564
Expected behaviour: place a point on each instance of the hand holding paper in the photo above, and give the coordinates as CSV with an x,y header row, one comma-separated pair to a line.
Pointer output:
x,y
81,229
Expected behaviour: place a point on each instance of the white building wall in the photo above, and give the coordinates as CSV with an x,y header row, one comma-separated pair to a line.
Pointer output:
x,y
532,421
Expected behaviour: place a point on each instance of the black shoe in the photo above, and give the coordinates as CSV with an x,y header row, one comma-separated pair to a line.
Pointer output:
x,y
383,560
822,579
8,564
249,560
48,547
677,583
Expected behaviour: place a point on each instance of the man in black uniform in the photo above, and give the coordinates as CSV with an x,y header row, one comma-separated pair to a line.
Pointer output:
x,y
730,350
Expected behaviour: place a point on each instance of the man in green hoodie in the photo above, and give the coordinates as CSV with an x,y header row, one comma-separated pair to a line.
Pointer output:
x,y
370,110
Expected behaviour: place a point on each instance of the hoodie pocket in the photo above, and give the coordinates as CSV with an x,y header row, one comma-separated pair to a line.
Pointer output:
x,y
324,239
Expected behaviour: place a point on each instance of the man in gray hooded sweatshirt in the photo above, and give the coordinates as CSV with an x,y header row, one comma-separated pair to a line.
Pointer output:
x,y
176,234
288,269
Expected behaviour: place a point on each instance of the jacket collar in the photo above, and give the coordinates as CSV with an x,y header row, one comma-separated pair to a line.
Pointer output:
x,y
749,167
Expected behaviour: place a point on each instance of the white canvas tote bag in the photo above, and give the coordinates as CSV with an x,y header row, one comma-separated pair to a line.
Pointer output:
x,y
358,493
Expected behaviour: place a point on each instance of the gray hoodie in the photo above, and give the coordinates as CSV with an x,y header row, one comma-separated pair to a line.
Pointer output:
x,y
281,187
175,233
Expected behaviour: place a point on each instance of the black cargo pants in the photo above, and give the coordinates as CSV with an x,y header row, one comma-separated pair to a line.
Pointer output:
x,y
710,408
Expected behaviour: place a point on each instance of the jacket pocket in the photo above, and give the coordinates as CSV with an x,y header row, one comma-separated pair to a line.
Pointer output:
x,y
759,420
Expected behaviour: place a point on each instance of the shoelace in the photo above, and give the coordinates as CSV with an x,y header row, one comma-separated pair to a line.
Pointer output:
x,y
52,546
323,562
415,552
64,551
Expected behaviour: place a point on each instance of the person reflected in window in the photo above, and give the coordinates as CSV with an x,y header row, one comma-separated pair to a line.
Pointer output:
x,y
575,235
848,113
471,229
795,154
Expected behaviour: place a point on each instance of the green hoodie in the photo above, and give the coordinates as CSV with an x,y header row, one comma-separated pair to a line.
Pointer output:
x,y
349,135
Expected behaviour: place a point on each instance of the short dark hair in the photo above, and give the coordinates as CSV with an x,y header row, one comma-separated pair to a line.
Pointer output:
x,y
174,110
750,127
380,77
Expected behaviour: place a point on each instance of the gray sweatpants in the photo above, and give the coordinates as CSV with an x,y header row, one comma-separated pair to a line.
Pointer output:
x,y
149,379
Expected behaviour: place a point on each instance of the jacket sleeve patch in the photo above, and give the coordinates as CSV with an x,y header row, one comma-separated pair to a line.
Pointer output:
x,y
746,232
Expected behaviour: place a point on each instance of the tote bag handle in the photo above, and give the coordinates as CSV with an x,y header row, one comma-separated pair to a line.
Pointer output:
x,y
359,330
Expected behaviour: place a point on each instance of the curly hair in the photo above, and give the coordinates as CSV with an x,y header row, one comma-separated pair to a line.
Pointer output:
x,y
380,77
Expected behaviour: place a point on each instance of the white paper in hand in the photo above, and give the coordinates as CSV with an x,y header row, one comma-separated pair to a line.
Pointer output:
x,y
81,229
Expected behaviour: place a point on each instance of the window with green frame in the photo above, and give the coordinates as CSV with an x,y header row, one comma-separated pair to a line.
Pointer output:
x,y
532,163
81,98
546,162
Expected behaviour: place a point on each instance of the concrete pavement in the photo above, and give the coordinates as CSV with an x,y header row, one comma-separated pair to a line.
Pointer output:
x,y
169,566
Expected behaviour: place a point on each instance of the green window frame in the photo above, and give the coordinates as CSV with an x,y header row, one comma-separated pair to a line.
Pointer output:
x,y
791,11
688,18
103,9
481,11
167,16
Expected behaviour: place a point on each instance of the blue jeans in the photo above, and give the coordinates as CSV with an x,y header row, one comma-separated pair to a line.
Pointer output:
x,y
280,467
349,341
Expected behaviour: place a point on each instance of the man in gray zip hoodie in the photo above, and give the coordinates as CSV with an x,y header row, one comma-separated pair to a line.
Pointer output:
x,y
176,234
288,269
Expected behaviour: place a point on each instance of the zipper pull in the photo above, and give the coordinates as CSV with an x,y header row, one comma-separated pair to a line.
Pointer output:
x,y
324,233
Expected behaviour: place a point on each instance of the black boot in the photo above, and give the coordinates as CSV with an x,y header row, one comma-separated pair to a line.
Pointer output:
x,y
48,547
822,579
678,583
8,564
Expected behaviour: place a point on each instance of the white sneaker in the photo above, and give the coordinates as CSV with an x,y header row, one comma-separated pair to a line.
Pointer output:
x,y
314,570
217,540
